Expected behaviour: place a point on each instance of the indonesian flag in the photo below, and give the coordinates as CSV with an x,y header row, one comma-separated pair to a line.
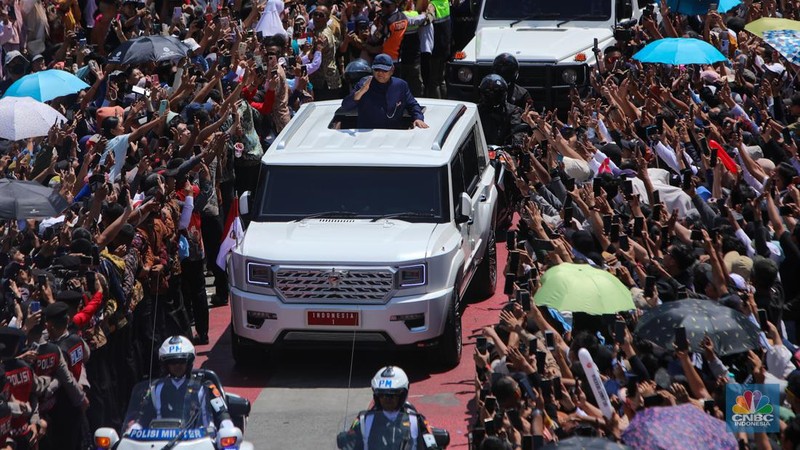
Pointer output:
x,y
233,233
605,167
724,157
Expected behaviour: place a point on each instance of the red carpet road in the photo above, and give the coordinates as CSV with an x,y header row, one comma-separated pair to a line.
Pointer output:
x,y
444,398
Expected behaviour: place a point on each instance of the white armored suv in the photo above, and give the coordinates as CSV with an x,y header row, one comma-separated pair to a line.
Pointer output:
x,y
371,235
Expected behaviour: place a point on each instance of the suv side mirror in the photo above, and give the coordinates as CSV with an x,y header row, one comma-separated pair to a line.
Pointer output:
x,y
244,204
624,9
464,213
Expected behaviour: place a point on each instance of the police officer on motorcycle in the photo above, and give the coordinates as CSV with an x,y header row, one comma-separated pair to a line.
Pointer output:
x,y
179,389
391,423
502,122
506,65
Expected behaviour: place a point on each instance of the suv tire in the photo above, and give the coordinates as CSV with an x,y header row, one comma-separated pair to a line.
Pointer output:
x,y
484,283
246,355
447,353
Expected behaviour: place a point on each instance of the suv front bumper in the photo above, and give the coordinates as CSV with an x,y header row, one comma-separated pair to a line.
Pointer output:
x,y
265,319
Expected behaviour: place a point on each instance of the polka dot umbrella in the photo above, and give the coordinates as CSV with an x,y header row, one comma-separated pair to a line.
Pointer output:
x,y
730,331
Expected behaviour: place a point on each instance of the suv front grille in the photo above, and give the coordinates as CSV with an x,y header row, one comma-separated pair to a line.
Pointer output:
x,y
334,285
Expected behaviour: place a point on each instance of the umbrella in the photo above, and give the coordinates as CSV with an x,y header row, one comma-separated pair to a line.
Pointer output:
x,y
786,42
758,27
587,443
29,200
730,330
678,51
46,85
656,428
700,7
24,117
582,288
148,49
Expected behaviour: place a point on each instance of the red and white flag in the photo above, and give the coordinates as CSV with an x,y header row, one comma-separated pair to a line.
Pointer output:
x,y
233,233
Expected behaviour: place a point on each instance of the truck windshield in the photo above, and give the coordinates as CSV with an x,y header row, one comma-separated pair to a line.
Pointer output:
x,y
547,10
414,194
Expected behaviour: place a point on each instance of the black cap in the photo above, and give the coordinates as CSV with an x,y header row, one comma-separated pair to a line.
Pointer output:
x,y
69,297
68,262
12,270
793,383
172,167
57,310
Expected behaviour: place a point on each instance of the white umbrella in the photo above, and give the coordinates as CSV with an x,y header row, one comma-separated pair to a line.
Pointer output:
x,y
24,117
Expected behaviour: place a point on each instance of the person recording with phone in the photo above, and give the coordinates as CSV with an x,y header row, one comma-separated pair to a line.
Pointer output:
x,y
382,100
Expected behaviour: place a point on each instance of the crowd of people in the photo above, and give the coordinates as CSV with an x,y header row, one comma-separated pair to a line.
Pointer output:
x,y
150,159
681,182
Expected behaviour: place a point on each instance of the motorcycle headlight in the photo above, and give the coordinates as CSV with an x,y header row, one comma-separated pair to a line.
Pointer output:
x,y
570,76
464,74
410,276
259,274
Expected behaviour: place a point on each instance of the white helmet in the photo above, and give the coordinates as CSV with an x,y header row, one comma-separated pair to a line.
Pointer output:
x,y
177,348
390,380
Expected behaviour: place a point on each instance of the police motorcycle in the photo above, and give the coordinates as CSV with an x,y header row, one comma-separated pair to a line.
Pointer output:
x,y
194,430
392,382
180,411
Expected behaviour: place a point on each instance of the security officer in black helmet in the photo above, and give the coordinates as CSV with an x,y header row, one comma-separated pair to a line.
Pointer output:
x,y
506,65
501,121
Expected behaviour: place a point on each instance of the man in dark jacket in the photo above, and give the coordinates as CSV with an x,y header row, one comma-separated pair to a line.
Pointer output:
x,y
381,103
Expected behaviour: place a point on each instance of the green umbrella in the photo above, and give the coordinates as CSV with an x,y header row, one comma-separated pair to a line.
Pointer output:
x,y
582,288
758,27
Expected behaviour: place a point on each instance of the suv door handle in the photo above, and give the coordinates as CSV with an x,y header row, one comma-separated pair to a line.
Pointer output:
x,y
483,198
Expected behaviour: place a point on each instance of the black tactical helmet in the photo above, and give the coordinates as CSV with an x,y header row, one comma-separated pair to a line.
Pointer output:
x,y
493,90
356,70
506,66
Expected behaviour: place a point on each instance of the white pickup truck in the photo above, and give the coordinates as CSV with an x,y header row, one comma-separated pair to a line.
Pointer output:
x,y
552,40
367,236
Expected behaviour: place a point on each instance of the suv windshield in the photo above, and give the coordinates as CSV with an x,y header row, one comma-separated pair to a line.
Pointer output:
x,y
547,10
414,194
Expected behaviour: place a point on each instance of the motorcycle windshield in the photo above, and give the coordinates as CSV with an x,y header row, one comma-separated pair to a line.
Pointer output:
x,y
160,410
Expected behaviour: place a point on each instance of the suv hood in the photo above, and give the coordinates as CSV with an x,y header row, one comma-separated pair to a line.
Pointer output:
x,y
547,44
338,241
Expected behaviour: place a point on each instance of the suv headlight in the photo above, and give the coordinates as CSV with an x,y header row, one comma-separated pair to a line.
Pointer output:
x,y
570,76
464,74
411,276
259,274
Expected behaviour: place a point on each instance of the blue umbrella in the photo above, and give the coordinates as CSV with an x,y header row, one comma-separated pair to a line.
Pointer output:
x,y
700,7
678,51
46,85
786,42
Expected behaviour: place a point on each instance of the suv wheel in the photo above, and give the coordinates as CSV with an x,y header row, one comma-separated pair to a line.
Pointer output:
x,y
484,282
246,355
447,354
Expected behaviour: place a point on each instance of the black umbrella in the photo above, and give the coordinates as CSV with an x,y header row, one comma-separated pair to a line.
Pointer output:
x,y
29,200
729,330
588,443
148,49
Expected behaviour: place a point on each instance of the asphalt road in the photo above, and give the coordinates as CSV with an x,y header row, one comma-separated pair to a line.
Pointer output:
x,y
302,399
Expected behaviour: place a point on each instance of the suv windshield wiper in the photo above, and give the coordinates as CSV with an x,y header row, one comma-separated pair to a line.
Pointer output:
x,y
582,17
535,16
404,214
327,214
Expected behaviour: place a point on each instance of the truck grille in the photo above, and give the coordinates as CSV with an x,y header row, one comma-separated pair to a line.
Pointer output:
x,y
334,285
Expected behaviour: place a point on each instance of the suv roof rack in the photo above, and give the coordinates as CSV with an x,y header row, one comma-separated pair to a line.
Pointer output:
x,y
305,113
458,111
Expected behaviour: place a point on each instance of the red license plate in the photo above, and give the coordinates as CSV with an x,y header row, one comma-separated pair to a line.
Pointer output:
x,y
334,318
